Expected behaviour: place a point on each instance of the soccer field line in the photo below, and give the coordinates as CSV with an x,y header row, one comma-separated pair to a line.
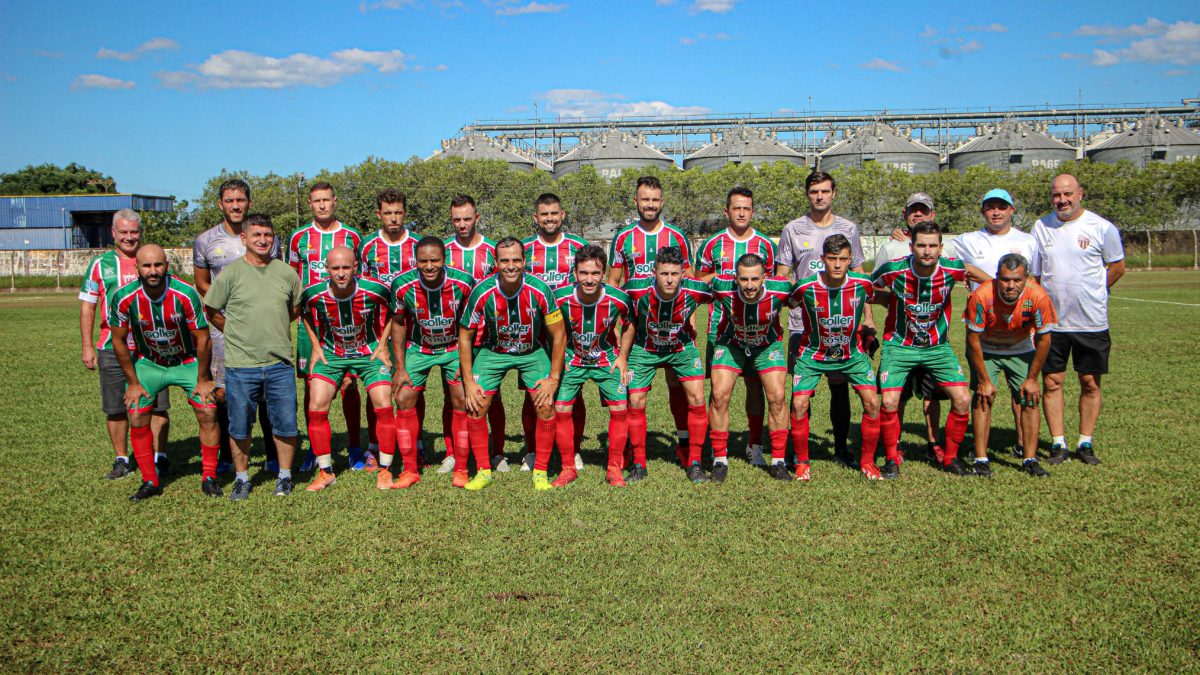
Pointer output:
x,y
1161,302
22,299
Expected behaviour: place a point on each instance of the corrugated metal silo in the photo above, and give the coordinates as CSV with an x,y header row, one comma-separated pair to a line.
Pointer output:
x,y
611,152
878,142
1151,139
742,146
1012,146
479,146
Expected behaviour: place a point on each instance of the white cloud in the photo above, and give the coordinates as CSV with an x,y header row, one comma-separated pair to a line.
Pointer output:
x,y
151,45
1179,72
1071,56
365,7
714,6
100,82
881,64
531,8
1152,26
1177,43
705,37
989,28
929,32
1104,59
592,103
950,51
235,69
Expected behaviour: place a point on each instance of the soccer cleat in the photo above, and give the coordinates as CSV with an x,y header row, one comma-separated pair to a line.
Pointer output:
x,y
804,471
309,463
146,491
695,473
358,459
843,455
322,480
271,466
224,468
780,472
241,490
870,471
755,456
500,464
957,467
447,465
372,463
1058,454
120,469
983,469
283,487
578,462
541,481
613,476
565,477
637,473
890,470
406,479
1034,468
1087,455
383,479
937,453
459,479
1018,451
481,480
526,462
720,472
162,465
209,487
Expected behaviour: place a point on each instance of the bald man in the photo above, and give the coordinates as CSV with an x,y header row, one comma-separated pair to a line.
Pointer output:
x,y
345,316
167,320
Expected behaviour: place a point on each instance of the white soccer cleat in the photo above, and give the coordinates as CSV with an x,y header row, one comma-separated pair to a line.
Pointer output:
x,y
754,454
578,462
500,464
447,465
527,463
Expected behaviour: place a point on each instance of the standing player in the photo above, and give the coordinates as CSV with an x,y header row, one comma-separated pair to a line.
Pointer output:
x,y
213,249
833,302
1082,257
105,274
307,249
800,247
665,338
632,256
424,334
718,255
916,291
749,340
344,316
594,313
1003,316
512,309
165,317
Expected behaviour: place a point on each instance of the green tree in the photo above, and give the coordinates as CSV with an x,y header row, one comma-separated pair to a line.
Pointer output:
x,y
50,179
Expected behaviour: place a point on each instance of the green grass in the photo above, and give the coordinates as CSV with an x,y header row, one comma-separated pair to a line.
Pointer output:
x,y
1093,569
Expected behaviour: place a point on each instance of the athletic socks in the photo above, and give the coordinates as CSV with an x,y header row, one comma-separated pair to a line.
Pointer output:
x,y
283,473
637,435
208,460
870,439
495,421
142,440
544,444
320,434
1082,440
839,414
579,420
889,431
618,436
697,425
1059,440
564,437
677,398
245,475
352,410
755,424
477,427
458,429
779,439
528,419
372,429
956,429
449,432
720,445
800,432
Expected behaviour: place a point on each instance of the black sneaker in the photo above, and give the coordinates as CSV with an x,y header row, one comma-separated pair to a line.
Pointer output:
x,y
210,488
1034,468
958,468
695,473
1018,451
162,465
1058,454
283,487
780,472
1087,455
241,490
637,473
719,473
890,470
983,469
146,491
120,469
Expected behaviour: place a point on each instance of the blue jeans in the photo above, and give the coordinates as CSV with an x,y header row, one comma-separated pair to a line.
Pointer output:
x,y
275,385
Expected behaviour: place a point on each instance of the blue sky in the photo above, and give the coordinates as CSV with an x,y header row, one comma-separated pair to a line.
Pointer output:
x,y
162,96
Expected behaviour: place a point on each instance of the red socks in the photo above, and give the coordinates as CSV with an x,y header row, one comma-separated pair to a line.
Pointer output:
x,y
637,435
352,409
407,433
618,435
720,443
755,423
889,431
679,406
449,433
372,431
564,437
320,434
800,431
462,439
870,439
208,460
528,418
779,441
142,440
543,445
956,428
697,426
495,420
580,419
386,429
477,427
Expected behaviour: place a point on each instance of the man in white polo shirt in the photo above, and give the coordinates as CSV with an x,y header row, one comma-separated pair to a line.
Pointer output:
x,y
1082,257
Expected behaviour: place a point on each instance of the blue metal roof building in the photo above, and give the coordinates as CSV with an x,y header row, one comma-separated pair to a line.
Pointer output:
x,y
30,222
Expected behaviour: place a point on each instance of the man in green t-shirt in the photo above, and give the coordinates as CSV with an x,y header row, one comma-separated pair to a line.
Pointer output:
x,y
253,302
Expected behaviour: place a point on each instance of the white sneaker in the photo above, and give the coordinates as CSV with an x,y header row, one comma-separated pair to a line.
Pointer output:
x,y
754,454
527,463
578,462
500,464
447,465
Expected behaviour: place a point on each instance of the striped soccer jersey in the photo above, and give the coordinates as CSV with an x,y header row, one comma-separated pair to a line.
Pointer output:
x,y
347,327
479,260
380,259
105,274
918,307
510,325
593,330
634,250
553,263
749,325
662,326
431,314
309,245
832,316
162,327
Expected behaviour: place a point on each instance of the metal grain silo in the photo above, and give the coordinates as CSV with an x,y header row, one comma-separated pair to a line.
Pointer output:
x,y
742,146
1012,146
479,146
878,142
611,152
1151,139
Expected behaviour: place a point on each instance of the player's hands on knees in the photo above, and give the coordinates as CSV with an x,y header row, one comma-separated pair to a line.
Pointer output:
x,y
545,392
474,395
317,356
381,353
204,391
89,357
622,366
1031,394
134,393
985,395
400,380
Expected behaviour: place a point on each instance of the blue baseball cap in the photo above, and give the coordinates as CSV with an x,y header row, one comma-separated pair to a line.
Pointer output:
x,y
996,193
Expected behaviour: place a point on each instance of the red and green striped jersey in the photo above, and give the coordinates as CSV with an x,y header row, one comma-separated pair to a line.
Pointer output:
x,y
919,307
633,249
380,259
478,261
832,316
308,246
510,325
105,274
592,330
431,314
720,252
663,326
749,325
161,327
553,263
347,327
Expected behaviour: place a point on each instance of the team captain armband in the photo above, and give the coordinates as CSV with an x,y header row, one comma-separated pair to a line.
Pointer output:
x,y
554,317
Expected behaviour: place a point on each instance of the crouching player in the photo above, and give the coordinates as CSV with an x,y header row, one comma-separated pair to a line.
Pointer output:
x,y
748,341
424,334
512,308
833,302
167,320
663,305
1004,318
344,315
594,313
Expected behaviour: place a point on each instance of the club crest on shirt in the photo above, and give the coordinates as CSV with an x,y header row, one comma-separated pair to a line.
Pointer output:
x,y
1084,242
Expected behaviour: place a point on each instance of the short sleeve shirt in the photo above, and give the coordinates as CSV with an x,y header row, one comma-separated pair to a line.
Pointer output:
x,y
592,329
800,249
634,249
662,325
215,249
105,274
478,260
511,324
256,302
431,314
918,313
1009,329
162,327
347,327
381,259
552,263
984,250
1074,256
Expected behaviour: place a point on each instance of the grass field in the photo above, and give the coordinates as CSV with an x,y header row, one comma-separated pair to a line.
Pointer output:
x,y
1093,569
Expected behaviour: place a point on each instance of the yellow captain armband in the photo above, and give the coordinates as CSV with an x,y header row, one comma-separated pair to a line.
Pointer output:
x,y
554,317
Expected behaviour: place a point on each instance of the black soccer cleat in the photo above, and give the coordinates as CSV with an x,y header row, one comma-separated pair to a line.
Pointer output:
x,y
719,473
890,470
637,473
983,469
958,468
209,487
146,491
1018,451
1087,455
695,473
1058,454
780,472
120,469
162,466
1034,468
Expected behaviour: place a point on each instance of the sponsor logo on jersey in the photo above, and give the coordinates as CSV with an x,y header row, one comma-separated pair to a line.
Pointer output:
x,y
316,265
436,322
643,269
345,332
835,321
160,334
925,307
553,278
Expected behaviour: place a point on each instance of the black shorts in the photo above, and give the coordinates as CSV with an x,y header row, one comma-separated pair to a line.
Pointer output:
x,y
1089,352
112,386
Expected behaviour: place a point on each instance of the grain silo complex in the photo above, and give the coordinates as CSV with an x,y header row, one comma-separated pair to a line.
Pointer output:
x,y
878,142
611,152
1151,139
478,146
742,146
1012,146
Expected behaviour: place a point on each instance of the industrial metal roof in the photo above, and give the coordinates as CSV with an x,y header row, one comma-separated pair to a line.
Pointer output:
x,y
743,142
1012,135
1149,132
478,146
876,138
613,144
